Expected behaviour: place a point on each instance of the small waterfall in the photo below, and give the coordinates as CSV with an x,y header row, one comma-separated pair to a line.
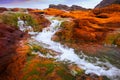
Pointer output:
x,y
22,25
68,54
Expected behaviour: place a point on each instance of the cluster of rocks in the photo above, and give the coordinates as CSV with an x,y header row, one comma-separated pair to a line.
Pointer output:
x,y
67,8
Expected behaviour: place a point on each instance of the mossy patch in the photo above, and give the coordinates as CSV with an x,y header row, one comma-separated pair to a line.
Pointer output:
x,y
45,69
11,18
66,32
111,38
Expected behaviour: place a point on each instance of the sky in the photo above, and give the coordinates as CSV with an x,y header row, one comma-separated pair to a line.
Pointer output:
x,y
42,4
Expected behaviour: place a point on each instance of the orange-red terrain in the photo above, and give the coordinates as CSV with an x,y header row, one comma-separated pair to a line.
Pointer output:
x,y
94,32
12,52
97,26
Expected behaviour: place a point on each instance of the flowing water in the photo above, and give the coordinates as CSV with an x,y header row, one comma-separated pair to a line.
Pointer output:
x,y
106,69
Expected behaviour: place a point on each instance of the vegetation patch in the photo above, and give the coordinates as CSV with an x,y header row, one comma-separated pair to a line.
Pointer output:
x,y
112,38
36,21
45,69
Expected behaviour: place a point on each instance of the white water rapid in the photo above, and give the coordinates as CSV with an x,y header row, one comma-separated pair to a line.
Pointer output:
x,y
22,26
68,54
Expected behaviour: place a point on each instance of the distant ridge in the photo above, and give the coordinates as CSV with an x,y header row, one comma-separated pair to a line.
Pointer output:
x,y
104,3
65,7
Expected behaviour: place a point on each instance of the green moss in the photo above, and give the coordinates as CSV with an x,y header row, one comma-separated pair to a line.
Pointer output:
x,y
105,78
65,76
111,38
37,48
33,72
9,19
80,72
12,18
50,68
47,68
66,33
29,58
64,72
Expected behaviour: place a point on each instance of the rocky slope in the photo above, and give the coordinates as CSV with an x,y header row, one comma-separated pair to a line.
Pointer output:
x,y
12,53
13,42
94,23
94,31
104,3
65,7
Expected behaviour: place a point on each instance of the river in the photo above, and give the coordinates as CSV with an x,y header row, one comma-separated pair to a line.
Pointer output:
x,y
105,68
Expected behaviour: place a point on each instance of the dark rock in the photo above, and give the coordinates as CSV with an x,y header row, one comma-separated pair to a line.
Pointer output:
x,y
2,9
29,9
65,7
75,7
102,15
15,9
91,76
104,3
59,6
10,62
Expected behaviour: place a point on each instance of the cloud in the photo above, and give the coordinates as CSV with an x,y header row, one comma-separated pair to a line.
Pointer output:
x,y
45,3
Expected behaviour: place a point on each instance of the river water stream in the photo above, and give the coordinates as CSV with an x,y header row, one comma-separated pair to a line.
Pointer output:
x,y
105,68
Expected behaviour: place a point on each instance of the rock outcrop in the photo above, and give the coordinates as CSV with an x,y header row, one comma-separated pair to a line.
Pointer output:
x,y
12,52
104,3
67,8
37,21
94,32
2,9
60,6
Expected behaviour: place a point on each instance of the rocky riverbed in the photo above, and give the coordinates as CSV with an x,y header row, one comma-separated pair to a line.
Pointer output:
x,y
60,45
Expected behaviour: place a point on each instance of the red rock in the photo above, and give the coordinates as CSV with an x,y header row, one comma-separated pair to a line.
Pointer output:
x,y
55,38
29,9
118,41
11,61
15,9
2,9
65,7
